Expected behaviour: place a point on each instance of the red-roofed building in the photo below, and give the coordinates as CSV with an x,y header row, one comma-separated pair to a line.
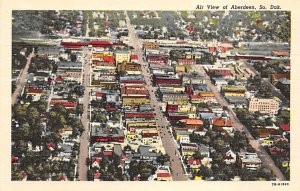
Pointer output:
x,y
100,95
172,107
164,176
107,153
220,124
194,124
284,127
106,24
95,162
14,159
277,151
97,175
34,91
133,58
109,59
138,115
280,53
185,62
51,146
190,29
230,157
66,104
136,178
194,164
24,176
59,79
220,71
62,178
158,58
78,45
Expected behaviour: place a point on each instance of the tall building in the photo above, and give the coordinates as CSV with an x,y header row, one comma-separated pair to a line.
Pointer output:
x,y
265,106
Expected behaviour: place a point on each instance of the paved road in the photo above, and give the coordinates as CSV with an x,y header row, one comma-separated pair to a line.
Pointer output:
x,y
263,155
167,139
22,80
84,139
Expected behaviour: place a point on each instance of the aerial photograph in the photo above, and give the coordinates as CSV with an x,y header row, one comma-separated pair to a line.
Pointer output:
x,y
107,95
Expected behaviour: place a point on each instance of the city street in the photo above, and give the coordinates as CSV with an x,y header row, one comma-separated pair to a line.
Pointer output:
x,y
170,146
22,80
263,155
84,139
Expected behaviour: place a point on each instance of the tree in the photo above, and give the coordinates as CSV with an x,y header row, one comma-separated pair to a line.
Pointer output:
x,y
73,57
79,109
205,172
162,159
218,144
32,114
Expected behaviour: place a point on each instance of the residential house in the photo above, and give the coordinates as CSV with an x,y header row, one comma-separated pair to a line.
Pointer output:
x,y
264,133
221,124
134,58
188,149
230,157
194,164
149,136
193,124
163,173
248,160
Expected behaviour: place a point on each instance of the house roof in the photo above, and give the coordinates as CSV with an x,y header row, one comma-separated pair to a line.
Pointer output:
x,y
14,159
62,178
280,53
59,79
64,103
34,90
107,153
192,121
278,76
134,57
192,161
163,174
108,59
97,175
185,60
228,157
195,97
220,122
285,127
95,159
99,94
264,132
51,145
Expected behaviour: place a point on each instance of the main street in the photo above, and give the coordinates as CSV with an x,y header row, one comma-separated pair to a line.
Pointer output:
x,y
263,155
170,146
84,139
22,80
